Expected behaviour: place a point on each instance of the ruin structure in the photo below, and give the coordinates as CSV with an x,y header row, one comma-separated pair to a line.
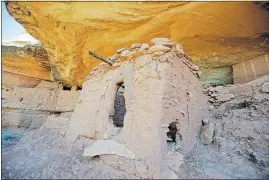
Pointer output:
x,y
251,69
157,86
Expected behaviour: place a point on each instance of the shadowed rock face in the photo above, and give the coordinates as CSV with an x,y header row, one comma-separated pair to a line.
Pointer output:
x,y
214,34
24,66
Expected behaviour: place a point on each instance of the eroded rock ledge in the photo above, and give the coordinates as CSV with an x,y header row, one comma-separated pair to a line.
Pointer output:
x,y
24,66
213,34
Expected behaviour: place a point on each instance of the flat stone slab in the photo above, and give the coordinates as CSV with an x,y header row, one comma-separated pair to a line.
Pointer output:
x,y
265,87
105,147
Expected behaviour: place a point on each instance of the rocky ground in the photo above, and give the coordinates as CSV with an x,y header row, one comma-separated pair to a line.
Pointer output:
x,y
234,143
240,143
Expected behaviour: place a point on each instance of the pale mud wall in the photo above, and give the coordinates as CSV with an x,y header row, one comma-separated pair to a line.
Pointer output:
x,y
31,98
157,92
29,107
44,97
251,69
143,97
67,99
183,101
12,80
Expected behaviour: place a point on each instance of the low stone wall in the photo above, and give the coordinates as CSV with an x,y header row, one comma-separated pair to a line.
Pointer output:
x,y
29,107
251,69
67,99
45,97
30,98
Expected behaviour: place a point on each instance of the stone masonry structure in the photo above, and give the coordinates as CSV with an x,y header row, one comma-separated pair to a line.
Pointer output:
x,y
25,105
250,70
160,87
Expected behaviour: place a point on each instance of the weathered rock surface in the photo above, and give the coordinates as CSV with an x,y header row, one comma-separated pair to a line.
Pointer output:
x,y
24,66
240,136
207,133
220,94
224,97
251,69
167,173
265,87
239,149
102,147
141,169
213,34
173,160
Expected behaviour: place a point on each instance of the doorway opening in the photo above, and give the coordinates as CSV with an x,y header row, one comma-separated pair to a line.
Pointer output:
x,y
119,106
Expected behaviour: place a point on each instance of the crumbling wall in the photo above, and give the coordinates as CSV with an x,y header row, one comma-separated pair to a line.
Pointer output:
x,y
251,69
67,99
29,107
160,87
183,100
30,98
143,97
46,97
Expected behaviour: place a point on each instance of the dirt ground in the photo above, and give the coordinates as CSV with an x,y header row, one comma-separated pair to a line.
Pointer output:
x,y
240,147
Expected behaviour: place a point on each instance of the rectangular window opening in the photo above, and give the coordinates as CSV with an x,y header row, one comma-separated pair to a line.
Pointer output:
x,y
67,88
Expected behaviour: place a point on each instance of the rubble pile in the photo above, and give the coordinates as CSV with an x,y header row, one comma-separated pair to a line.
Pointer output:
x,y
217,95
157,48
220,94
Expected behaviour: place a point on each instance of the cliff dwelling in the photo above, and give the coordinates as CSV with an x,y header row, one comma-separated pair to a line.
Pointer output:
x,y
143,97
136,90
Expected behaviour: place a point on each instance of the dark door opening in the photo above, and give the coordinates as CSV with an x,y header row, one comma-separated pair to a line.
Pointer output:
x,y
119,106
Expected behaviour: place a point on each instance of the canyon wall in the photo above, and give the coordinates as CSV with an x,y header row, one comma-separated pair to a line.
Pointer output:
x,y
24,66
214,34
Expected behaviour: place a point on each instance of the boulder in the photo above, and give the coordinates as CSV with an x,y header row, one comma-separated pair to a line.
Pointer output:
x,y
156,48
265,87
125,53
144,46
195,68
207,133
205,121
136,45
